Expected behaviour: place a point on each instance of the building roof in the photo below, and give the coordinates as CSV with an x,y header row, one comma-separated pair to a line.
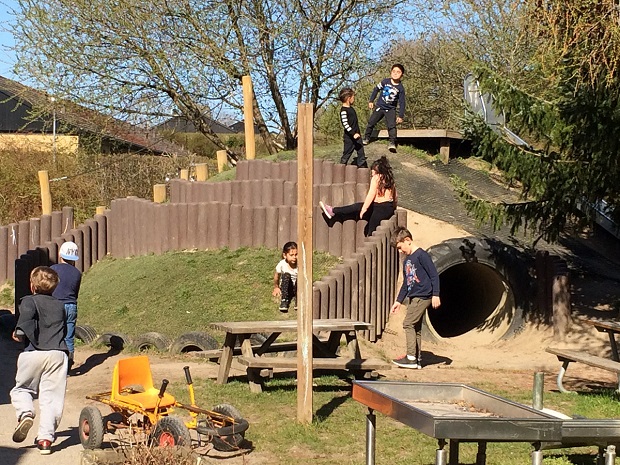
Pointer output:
x,y
16,96
182,124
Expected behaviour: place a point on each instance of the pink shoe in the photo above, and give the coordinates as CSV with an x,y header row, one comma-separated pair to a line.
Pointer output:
x,y
327,210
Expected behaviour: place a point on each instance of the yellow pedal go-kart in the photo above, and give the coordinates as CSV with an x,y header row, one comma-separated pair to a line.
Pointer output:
x,y
144,411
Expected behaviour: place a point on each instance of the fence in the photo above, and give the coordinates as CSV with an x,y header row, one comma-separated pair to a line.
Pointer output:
x,y
257,209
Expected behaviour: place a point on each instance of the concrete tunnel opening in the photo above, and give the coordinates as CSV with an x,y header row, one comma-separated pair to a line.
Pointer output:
x,y
477,305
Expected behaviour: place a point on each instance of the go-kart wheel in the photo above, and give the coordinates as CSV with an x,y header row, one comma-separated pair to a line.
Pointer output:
x,y
91,427
230,442
170,431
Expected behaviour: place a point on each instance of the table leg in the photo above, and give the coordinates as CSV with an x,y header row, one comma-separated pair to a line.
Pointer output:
x,y
454,452
226,358
610,455
537,454
371,426
614,352
353,344
441,452
481,457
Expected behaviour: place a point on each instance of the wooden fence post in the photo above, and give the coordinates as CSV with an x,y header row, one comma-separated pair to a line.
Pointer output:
x,y
46,196
248,118
202,172
222,160
305,207
184,174
159,193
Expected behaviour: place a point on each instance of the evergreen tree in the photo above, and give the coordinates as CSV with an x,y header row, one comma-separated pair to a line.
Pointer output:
x,y
567,110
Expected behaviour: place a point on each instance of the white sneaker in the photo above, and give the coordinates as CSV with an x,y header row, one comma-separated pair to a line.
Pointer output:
x,y
392,148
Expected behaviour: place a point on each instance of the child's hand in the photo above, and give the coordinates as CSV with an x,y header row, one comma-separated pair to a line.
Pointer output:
x,y
395,307
399,120
435,301
17,337
356,136
371,105
276,292
362,212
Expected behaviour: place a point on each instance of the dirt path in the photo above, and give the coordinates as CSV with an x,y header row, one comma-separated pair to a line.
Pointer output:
x,y
507,364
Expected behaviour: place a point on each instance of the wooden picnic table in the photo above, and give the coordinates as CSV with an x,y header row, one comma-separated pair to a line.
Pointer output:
x,y
611,327
323,347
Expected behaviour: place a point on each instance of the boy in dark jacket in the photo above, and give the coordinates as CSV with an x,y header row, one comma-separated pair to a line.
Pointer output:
x,y
391,96
352,138
42,366
421,289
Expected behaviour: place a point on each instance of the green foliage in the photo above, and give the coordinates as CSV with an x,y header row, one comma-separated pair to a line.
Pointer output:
x,y
180,292
83,181
567,110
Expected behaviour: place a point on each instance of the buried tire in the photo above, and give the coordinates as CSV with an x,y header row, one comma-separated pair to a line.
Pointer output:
x,y
91,428
230,442
117,341
484,287
85,333
192,342
150,341
170,431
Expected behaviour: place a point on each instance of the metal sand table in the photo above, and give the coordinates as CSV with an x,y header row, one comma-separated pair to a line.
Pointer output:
x,y
455,412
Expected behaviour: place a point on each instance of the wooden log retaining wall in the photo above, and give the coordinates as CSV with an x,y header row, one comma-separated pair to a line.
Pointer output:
x,y
251,211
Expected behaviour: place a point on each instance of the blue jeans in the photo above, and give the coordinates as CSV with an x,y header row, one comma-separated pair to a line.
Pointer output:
x,y
71,312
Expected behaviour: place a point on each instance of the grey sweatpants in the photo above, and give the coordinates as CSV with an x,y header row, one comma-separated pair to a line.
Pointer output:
x,y
42,372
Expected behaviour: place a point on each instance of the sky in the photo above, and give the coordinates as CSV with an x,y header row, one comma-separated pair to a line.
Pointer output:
x,y
7,58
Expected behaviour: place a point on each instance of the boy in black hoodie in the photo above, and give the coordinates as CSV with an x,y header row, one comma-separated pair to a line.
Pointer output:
x,y
42,366
352,138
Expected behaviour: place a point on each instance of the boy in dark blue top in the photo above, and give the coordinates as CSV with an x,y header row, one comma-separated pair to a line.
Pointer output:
x,y
421,288
391,95
352,138
68,289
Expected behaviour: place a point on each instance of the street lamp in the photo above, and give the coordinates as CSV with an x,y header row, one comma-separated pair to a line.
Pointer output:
x,y
53,99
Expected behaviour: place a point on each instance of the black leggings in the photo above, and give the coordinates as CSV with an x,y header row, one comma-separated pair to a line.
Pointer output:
x,y
376,213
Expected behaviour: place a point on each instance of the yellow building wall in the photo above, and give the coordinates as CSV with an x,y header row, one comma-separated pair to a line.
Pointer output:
x,y
39,142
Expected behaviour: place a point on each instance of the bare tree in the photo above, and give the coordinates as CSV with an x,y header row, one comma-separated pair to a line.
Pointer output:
x,y
144,60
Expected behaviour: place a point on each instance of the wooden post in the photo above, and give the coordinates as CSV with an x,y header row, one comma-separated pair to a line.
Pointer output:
x,y
202,172
159,193
46,196
444,150
100,210
304,280
248,118
184,175
222,160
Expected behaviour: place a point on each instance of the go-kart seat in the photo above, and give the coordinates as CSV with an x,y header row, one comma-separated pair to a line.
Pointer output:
x,y
132,375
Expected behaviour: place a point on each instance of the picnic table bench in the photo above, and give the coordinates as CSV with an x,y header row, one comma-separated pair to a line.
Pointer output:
x,y
324,349
611,327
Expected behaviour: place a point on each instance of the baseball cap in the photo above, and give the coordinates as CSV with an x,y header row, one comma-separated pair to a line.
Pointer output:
x,y
69,251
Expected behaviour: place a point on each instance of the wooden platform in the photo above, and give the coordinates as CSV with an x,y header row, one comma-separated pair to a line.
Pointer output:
x,y
445,136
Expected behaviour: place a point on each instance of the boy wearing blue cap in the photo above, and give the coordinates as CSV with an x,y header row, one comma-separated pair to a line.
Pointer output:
x,y
68,289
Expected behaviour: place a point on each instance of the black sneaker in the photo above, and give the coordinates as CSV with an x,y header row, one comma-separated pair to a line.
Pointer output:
x,y
284,305
404,362
24,424
44,446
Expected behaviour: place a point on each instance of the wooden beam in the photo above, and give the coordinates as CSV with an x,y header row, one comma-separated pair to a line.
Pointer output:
x,y
248,118
159,193
46,195
202,172
304,279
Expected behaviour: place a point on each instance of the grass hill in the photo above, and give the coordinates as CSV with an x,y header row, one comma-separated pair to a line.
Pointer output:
x,y
178,292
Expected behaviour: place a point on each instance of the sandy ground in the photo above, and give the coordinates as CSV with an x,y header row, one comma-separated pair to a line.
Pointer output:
x,y
511,363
